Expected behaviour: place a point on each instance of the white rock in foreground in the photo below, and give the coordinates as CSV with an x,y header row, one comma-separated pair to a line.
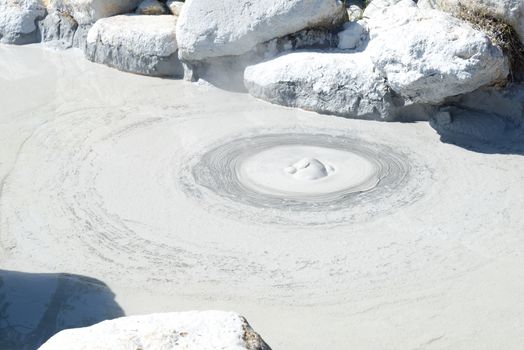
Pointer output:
x,y
138,44
89,11
217,28
428,55
335,83
511,11
18,20
206,330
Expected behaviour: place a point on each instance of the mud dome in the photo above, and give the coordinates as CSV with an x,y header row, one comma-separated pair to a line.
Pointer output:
x,y
281,174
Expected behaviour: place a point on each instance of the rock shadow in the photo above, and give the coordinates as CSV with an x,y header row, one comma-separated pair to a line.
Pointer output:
x,y
35,306
482,133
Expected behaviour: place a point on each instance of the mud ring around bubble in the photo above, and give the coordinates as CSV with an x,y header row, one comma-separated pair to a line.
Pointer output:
x,y
251,178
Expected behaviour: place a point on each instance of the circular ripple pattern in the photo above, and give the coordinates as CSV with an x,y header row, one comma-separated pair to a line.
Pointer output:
x,y
219,171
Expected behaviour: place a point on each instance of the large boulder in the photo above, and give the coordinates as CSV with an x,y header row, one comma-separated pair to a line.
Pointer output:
x,y
191,330
437,55
510,11
208,29
334,83
138,44
18,21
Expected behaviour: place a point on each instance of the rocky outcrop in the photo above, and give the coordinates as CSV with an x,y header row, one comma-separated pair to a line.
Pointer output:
x,y
18,21
193,330
334,83
138,44
414,57
510,11
437,56
208,29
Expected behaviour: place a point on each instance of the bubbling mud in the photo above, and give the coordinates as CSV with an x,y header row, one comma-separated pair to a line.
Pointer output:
x,y
302,173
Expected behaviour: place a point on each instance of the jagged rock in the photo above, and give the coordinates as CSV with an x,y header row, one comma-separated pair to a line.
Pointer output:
x,y
18,21
193,330
152,8
334,83
138,44
511,11
175,6
218,28
58,29
428,55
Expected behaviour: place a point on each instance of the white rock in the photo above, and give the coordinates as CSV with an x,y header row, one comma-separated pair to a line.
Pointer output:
x,y
193,330
354,36
335,83
428,55
18,20
139,44
89,11
151,7
355,13
217,28
175,6
511,11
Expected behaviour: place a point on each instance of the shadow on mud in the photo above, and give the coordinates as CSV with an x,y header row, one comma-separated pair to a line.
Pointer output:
x,y
488,134
33,307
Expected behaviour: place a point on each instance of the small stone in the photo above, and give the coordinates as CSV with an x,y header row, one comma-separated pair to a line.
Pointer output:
x,y
151,8
175,6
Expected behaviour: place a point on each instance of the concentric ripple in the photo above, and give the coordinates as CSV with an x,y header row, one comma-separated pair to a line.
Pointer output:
x,y
347,176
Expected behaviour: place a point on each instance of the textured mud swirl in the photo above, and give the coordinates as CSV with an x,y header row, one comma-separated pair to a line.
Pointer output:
x,y
252,171
98,177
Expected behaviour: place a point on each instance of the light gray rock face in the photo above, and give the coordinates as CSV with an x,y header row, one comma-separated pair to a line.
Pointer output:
x,y
511,11
151,8
334,83
193,330
376,7
228,72
355,36
59,30
175,6
427,55
18,21
138,44
208,29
